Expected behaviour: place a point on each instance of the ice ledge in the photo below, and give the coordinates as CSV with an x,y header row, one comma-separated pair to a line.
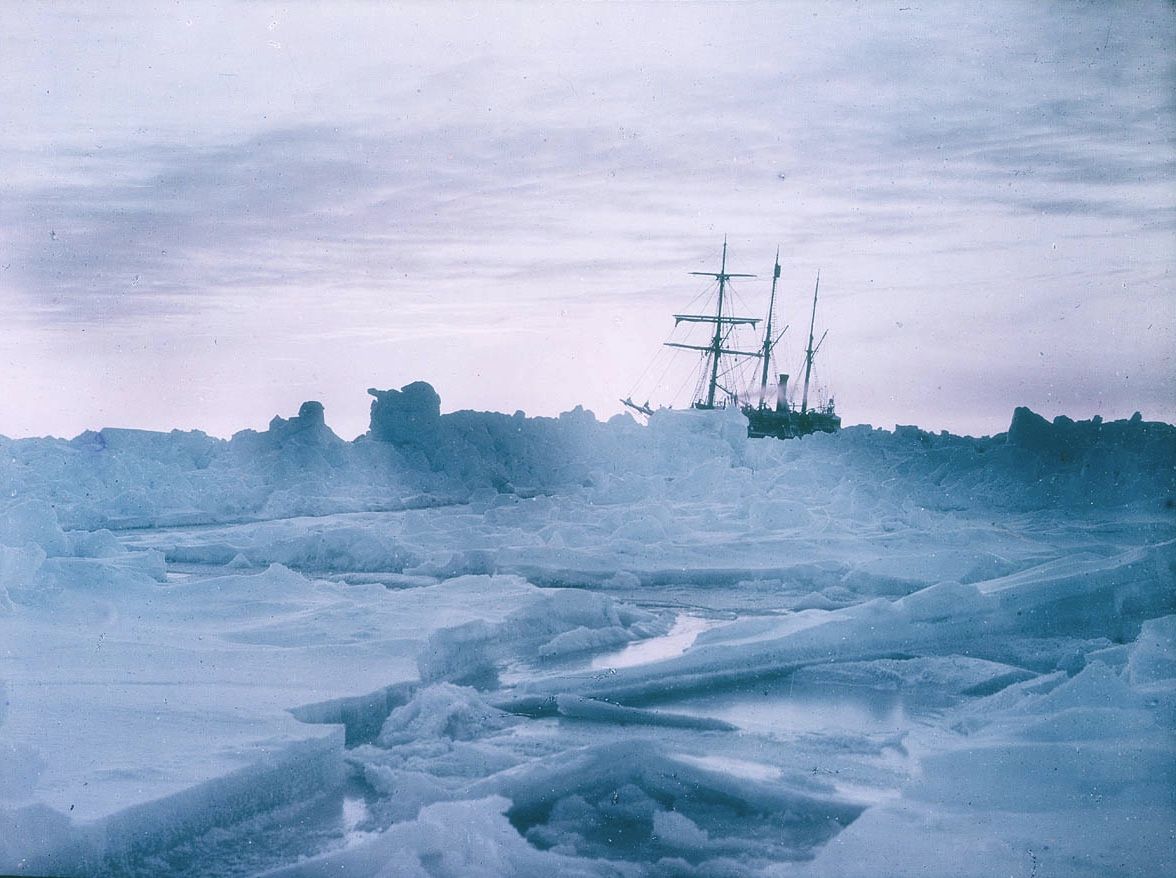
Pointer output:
x,y
38,839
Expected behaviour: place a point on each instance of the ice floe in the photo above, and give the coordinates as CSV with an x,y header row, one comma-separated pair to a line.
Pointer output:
x,y
475,643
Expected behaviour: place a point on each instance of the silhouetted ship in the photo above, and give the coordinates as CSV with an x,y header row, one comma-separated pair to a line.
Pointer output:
x,y
778,418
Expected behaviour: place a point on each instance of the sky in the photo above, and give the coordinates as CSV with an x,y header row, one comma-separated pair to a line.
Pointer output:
x,y
210,213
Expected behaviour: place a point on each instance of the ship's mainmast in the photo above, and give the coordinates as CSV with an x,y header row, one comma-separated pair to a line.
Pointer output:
x,y
715,349
811,351
769,342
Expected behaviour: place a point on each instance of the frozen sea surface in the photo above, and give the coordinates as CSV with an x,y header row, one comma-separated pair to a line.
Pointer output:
x,y
476,644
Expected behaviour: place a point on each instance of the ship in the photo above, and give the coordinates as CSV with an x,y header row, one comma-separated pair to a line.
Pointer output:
x,y
777,417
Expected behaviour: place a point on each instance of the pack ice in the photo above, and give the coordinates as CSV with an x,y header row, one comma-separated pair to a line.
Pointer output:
x,y
480,644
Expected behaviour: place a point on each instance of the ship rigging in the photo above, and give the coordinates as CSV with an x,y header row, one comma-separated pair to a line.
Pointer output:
x,y
779,419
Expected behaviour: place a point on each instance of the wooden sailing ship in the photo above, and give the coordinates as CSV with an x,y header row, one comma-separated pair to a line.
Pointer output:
x,y
778,417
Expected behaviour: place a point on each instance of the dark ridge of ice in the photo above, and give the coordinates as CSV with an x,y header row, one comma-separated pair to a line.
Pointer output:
x,y
409,416
133,478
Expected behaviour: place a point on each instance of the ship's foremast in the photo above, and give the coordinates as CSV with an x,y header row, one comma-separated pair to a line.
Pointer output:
x,y
715,350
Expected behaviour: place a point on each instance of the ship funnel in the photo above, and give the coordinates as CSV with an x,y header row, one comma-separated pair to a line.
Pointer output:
x,y
782,394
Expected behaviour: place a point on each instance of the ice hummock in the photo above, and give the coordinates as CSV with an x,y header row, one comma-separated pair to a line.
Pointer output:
x,y
900,643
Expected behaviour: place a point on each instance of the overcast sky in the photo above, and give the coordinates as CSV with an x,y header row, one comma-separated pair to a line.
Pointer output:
x,y
210,213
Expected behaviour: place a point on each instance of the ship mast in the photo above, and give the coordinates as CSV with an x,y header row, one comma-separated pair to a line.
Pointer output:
x,y
808,356
766,353
715,349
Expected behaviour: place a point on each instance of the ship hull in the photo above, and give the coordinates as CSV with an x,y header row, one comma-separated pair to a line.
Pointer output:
x,y
764,423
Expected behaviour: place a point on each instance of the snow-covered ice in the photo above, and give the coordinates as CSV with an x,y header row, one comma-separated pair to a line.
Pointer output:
x,y
480,644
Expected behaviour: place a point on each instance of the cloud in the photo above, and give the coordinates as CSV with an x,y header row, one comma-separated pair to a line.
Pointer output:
x,y
899,130
400,173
